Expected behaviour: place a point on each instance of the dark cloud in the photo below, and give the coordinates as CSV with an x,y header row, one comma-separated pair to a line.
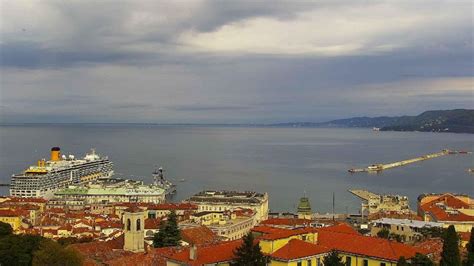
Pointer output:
x,y
232,61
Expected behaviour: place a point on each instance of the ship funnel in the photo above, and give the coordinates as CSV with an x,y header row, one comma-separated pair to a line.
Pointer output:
x,y
55,154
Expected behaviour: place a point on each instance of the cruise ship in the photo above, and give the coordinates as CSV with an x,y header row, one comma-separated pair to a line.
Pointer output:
x,y
43,179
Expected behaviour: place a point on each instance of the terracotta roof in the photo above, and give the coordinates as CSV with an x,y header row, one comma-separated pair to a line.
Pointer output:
x,y
155,256
284,233
199,235
109,224
296,249
18,199
432,246
365,245
152,223
173,206
221,252
340,228
450,200
440,214
10,213
133,208
286,221
267,229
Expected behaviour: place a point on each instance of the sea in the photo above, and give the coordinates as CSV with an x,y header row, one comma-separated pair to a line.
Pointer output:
x,y
288,163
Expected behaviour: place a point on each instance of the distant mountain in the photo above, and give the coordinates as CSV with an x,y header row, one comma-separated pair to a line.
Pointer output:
x,y
458,121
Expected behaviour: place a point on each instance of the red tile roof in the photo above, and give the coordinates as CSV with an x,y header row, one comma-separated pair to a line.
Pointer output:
x,y
340,228
173,206
287,221
18,199
296,249
221,252
199,235
432,246
152,223
365,245
284,233
154,256
10,213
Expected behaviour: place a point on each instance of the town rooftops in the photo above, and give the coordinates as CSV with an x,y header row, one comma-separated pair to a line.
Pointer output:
x,y
406,222
286,222
236,197
446,208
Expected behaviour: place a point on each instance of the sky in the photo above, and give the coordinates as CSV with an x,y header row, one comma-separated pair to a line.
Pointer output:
x,y
232,61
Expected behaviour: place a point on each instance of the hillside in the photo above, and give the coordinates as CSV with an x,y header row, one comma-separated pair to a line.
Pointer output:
x,y
457,121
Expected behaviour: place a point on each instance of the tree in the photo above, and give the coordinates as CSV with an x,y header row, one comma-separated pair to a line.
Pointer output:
x,y
18,249
53,254
402,262
169,234
450,254
5,229
333,259
384,233
421,260
249,253
469,261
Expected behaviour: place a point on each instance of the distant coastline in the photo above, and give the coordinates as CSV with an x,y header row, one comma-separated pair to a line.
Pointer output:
x,y
450,121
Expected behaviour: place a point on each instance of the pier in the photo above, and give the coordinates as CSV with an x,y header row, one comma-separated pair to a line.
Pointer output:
x,y
381,167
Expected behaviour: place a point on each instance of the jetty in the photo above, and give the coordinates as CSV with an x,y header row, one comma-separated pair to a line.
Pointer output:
x,y
380,167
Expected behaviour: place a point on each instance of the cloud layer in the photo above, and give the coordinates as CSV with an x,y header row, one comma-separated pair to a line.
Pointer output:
x,y
245,61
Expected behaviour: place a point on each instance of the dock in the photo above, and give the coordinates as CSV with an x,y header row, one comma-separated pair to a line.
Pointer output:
x,y
380,167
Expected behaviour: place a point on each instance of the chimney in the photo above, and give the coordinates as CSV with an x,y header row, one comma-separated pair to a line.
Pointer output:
x,y
193,252
55,154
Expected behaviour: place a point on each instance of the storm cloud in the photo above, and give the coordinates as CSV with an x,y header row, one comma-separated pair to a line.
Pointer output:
x,y
232,61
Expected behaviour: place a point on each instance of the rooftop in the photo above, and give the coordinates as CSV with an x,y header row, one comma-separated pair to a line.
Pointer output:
x,y
407,222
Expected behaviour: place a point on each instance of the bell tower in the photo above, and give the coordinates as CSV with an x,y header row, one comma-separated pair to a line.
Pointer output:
x,y
134,223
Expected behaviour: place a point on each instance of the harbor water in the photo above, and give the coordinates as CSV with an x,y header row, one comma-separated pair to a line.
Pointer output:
x,y
285,162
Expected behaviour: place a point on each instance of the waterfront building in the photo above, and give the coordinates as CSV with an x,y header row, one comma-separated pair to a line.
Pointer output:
x,y
112,192
448,209
374,203
408,230
230,200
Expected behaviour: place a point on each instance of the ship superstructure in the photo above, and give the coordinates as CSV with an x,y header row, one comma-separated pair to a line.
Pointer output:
x,y
43,179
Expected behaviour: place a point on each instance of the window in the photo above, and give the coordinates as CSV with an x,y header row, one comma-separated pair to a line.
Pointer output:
x,y
382,264
318,262
299,263
348,261
365,263
138,224
304,238
309,262
129,224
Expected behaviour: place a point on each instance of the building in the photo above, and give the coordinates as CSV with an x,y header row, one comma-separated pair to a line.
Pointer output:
x,y
230,200
111,192
304,208
228,225
134,230
374,203
409,230
11,217
448,209
286,247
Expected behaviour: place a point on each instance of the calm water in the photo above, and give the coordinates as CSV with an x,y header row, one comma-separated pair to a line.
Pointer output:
x,y
285,162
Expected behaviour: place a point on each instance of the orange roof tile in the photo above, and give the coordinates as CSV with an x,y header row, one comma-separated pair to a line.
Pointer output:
x,y
287,221
199,235
340,228
365,245
296,249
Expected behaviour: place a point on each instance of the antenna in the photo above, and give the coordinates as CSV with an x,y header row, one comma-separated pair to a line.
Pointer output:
x,y
333,203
